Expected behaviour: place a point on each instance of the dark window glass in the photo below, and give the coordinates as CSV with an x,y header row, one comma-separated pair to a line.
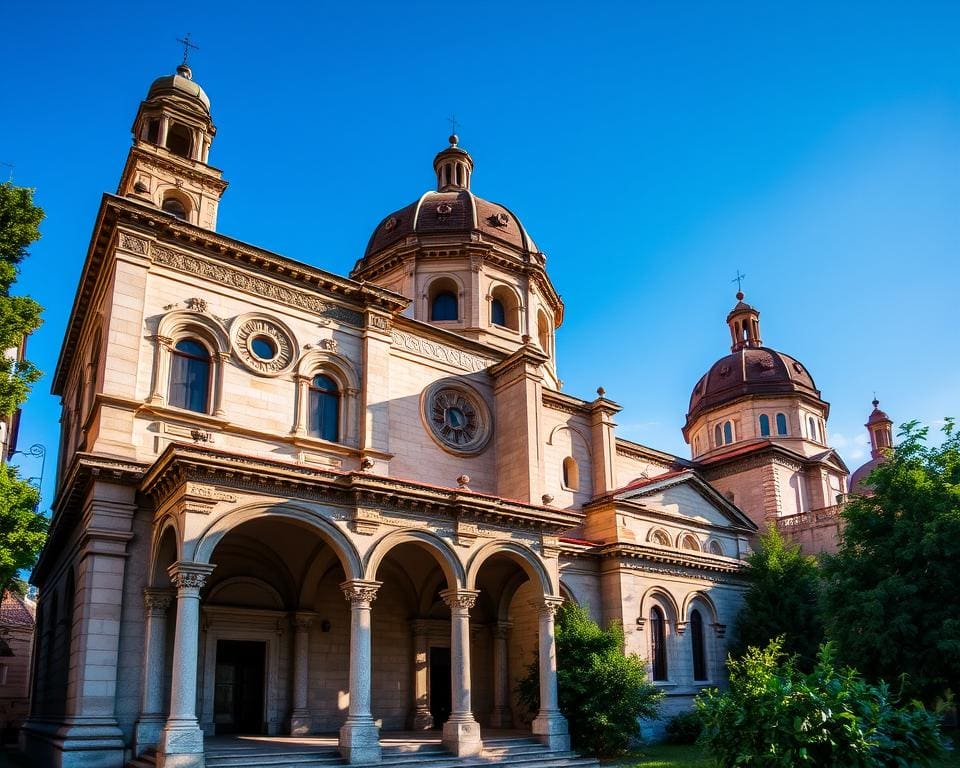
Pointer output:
x,y
153,131
717,436
264,348
498,315
444,306
727,432
781,424
764,425
178,140
174,206
699,648
325,408
813,428
658,639
190,376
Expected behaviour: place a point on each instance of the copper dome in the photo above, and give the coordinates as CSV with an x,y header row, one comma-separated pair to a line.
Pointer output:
x,y
454,211
750,371
180,85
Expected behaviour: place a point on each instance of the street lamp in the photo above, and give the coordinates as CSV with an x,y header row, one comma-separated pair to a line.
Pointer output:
x,y
36,451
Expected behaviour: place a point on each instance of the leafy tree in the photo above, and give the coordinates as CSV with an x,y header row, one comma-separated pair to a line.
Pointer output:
x,y
19,315
22,529
603,691
892,597
775,716
782,600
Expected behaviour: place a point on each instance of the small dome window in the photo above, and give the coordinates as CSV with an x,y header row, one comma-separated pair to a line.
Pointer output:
x,y
505,308
444,304
175,206
151,131
179,140
764,425
781,424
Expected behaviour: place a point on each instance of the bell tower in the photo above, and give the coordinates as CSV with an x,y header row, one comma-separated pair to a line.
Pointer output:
x,y
744,322
168,165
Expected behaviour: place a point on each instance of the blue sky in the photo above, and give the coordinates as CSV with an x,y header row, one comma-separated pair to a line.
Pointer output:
x,y
651,149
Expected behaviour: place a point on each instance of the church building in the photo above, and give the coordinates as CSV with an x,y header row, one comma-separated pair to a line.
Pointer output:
x,y
291,502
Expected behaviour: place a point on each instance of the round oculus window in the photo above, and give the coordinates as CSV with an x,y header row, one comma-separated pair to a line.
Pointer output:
x,y
263,347
456,417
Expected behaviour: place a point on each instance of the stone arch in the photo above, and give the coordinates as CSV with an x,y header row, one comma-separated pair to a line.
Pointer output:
x,y
446,558
574,430
659,536
704,600
179,322
662,597
321,562
687,538
445,282
510,301
202,549
522,555
567,593
319,360
166,528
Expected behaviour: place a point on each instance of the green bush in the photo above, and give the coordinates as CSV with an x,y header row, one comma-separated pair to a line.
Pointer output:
x,y
775,716
603,691
684,728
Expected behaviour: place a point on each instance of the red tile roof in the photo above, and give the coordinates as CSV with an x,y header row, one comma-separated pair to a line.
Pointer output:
x,y
14,611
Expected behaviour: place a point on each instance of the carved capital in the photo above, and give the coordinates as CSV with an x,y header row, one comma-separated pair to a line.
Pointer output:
x,y
359,592
460,599
157,601
302,622
681,627
548,606
188,576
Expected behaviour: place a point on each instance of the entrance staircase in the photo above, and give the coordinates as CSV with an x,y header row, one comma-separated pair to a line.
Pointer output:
x,y
516,751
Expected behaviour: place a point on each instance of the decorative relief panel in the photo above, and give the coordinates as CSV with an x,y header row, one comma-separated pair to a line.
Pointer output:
x,y
263,345
255,285
440,352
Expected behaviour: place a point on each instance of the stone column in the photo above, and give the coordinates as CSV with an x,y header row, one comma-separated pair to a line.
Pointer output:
x,y
156,602
461,733
422,718
181,743
359,736
300,722
502,715
549,725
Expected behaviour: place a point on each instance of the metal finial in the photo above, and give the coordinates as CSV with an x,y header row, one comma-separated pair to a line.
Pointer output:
x,y
187,45
739,281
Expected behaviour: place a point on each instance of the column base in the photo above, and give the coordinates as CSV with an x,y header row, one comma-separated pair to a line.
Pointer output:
x,y
360,741
462,737
96,742
181,745
422,720
147,732
551,729
501,717
300,723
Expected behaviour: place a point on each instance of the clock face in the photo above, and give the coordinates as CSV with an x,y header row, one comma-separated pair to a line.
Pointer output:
x,y
457,418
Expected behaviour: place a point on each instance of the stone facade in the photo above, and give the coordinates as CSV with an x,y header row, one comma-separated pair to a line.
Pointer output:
x,y
291,502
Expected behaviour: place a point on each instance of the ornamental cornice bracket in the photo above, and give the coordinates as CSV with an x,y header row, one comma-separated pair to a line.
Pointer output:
x,y
365,520
466,532
549,546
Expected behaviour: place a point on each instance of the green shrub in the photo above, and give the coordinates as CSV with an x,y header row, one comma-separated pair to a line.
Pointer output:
x,y
603,691
774,716
684,728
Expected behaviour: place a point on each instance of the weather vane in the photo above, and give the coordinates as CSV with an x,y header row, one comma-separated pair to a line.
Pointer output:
x,y
187,45
739,280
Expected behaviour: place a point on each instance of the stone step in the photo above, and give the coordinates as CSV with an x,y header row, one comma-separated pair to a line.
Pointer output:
x,y
541,759
147,760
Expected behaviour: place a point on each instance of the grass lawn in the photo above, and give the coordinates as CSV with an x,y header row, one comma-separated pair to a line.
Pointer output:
x,y
666,756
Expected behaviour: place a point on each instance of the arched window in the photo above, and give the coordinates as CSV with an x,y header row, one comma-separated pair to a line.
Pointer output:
x,y
498,315
781,424
174,206
823,438
716,548
764,425
151,131
190,376
727,433
571,474
689,541
658,643
179,140
699,646
543,332
717,436
811,422
324,408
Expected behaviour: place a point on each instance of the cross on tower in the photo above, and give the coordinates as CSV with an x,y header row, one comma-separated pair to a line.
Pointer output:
x,y
187,45
453,124
11,166
738,280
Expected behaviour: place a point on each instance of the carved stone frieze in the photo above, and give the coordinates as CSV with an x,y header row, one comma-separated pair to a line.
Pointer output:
x,y
431,349
366,521
466,533
255,285
133,244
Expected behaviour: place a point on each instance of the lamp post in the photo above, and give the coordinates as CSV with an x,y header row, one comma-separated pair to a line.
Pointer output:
x,y
36,451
